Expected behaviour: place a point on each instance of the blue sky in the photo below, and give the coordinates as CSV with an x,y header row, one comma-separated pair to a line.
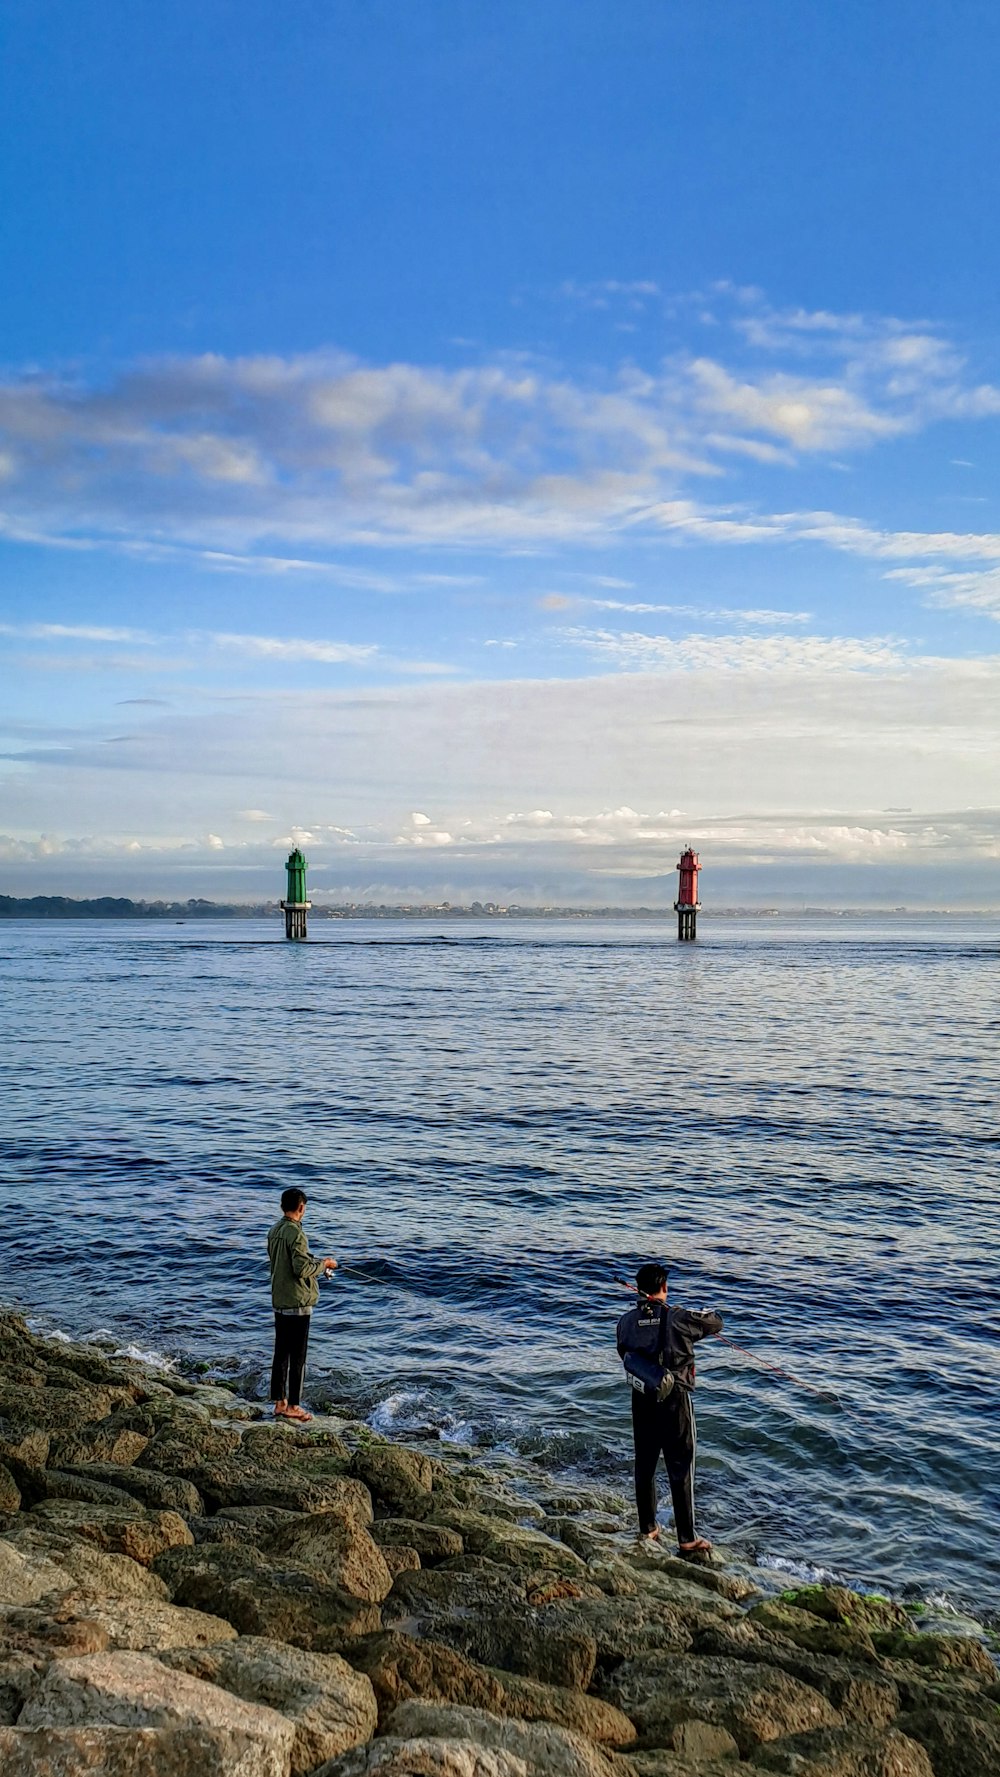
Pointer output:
x,y
497,445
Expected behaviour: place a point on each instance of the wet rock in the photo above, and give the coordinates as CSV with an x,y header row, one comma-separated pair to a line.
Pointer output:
x,y
835,1604
845,1752
424,1758
433,1542
547,1750
137,1691
331,1706
400,1667
944,1653
754,1703
120,1530
166,1493
267,1595
10,1493
146,1625
401,1480
529,1700
958,1745
133,1752
334,1544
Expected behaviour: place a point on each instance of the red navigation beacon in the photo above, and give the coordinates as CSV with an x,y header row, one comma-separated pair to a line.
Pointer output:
x,y
687,903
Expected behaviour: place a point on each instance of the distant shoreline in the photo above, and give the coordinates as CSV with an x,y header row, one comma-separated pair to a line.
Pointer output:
x,y
61,907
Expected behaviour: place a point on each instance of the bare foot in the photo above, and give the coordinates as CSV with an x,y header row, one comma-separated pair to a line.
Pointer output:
x,y
650,1536
280,1409
299,1414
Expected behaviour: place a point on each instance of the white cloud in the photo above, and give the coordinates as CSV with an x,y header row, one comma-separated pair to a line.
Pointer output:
x,y
292,648
790,655
229,456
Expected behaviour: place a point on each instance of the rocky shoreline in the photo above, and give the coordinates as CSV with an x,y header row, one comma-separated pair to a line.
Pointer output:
x,y
188,1588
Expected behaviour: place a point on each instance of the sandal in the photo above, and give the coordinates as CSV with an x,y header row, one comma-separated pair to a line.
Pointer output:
x,y
299,1414
699,1552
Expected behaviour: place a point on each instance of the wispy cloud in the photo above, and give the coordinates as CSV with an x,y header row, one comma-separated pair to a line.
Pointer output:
x,y
262,464
794,655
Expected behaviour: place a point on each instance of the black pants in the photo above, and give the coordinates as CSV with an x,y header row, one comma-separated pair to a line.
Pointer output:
x,y
291,1336
665,1428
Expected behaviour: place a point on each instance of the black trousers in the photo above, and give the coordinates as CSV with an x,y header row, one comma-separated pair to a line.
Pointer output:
x,y
291,1337
667,1429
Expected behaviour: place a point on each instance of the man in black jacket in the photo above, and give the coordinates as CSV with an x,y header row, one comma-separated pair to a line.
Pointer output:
x,y
665,1426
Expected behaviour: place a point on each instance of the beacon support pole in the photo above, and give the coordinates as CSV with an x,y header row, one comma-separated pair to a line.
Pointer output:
x,y
295,905
687,903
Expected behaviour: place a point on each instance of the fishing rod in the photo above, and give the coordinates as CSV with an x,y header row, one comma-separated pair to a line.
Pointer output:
x,y
761,1362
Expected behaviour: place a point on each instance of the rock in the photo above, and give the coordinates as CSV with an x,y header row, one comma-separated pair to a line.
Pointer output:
x,y
137,1691
10,1493
846,1752
945,1653
331,1706
268,1596
650,1557
333,1544
146,1625
111,1576
624,1628
400,1560
658,1691
433,1542
25,1578
958,1745
424,1758
120,1530
401,1667
547,1750
240,1525
848,1637
529,1700
835,1604
166,1493
858,1693
54,1409
400,1480
41,1484
485,1615
24,1444
186,1449
233,1484
110,1444
133,1752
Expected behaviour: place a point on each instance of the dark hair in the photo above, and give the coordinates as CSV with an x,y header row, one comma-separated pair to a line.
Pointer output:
x,y
292,1198
650,1279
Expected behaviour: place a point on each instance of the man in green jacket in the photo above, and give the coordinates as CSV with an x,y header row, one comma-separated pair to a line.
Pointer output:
x,y
294,1293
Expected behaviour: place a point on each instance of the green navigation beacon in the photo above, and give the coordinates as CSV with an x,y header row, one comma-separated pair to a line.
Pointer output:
x,y
295,904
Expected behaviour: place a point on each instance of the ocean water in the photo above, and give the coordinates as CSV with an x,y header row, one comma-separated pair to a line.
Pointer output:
x,y
491,1121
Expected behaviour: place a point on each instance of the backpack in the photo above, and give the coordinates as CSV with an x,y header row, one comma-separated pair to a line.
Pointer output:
x,y
649,1376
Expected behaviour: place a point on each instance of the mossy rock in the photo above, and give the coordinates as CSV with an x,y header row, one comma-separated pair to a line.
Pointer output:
x,y
837,1604
944,1653
818,1635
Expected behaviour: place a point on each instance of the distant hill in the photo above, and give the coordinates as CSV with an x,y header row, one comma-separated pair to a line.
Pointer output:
x,y
118,907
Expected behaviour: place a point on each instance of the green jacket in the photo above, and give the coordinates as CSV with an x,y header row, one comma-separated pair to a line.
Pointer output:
x,y
293,1269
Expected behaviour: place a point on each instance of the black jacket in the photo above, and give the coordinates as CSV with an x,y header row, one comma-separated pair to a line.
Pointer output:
x,y
639,1330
